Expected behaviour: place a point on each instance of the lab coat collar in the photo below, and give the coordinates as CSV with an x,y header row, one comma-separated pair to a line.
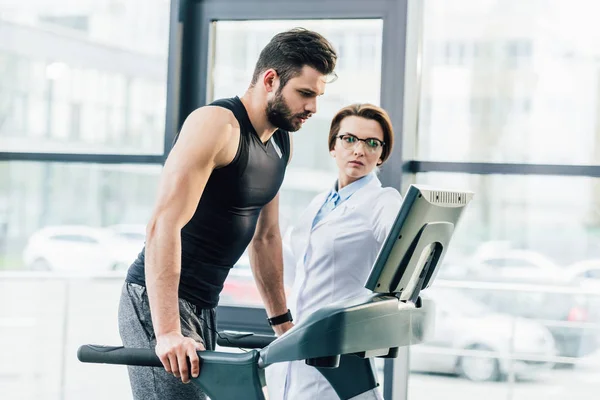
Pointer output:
x,y
347,191
350,204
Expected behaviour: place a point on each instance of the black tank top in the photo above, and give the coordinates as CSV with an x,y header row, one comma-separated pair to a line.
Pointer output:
x,y
226,216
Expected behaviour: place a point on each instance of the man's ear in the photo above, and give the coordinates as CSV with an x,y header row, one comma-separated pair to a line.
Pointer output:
x,y
270,80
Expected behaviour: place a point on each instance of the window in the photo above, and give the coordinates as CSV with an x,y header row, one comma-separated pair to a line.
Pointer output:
x,y
520,86
519,238
88,196
525,220
84,80
312,169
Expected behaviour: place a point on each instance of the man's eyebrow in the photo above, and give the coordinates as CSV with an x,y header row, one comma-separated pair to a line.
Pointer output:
x,y
307,90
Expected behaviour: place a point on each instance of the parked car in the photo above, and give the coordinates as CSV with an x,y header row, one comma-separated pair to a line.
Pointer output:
x,y
586,275
585,270
561,313
133,233
498,260
74,248
463,323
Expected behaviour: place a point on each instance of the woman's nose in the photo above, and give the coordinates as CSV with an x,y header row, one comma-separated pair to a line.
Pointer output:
x,y
358,148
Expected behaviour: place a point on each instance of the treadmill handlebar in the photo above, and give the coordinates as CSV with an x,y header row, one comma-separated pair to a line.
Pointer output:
x,y
222,375
246,340
118,355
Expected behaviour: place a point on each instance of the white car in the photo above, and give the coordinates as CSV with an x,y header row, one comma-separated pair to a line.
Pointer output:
x,y
463,324
130,232
74,248
498,260
586,270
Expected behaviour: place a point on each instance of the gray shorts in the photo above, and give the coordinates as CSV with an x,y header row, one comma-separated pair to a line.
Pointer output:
x,y
135,327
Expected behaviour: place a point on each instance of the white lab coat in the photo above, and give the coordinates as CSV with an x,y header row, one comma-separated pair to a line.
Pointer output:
x,y
340,251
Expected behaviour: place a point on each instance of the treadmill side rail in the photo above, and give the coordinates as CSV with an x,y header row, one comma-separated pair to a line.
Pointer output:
x,y
361,324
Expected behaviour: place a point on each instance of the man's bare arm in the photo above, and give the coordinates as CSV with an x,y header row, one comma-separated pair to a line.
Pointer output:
x,y
204,143
266,260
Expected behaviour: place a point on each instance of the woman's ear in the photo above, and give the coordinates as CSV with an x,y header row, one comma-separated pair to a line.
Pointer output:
x,y
332,152
379,162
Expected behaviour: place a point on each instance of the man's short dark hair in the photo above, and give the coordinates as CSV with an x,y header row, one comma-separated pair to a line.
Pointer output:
x,y
288,52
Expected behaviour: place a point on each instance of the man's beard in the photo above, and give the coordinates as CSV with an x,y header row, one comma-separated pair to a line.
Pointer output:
x,y
280,115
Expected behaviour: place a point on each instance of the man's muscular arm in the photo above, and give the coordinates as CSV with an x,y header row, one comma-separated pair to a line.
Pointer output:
x,y
266,260
205,142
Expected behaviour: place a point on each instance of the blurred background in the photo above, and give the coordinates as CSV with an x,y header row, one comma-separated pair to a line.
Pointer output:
x,y
500,97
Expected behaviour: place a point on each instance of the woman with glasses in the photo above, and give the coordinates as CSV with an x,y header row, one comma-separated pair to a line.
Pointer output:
x,y
332,248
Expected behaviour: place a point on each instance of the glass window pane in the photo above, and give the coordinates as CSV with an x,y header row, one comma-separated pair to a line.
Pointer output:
x,y
73,217
510,81
238,44
237,47
557,217
59,225
83,77
511,288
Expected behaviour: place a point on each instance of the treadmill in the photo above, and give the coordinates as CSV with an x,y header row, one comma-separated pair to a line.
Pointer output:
x,y
341,339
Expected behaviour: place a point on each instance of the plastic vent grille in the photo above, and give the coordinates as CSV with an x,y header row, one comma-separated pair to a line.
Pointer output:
x,y
448,197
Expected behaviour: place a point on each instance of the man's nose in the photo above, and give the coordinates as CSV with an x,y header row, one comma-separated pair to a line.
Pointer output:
x,y
311,106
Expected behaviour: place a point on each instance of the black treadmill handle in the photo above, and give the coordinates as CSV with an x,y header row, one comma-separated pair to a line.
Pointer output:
x,y
222,375
245,340
120,355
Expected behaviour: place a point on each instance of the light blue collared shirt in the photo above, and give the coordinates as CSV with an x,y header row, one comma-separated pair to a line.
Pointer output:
x,y
335,197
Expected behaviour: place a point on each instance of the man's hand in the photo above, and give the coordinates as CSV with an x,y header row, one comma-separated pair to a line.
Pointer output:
x,y
283,328
173,349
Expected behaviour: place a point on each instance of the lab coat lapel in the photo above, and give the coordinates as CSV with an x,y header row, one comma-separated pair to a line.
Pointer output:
x,y
351,203
305,223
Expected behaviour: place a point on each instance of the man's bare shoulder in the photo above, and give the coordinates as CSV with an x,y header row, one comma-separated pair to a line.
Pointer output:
x,y
215,117
211,130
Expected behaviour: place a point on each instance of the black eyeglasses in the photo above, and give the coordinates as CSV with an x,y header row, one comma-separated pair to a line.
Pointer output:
x,y
349,141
